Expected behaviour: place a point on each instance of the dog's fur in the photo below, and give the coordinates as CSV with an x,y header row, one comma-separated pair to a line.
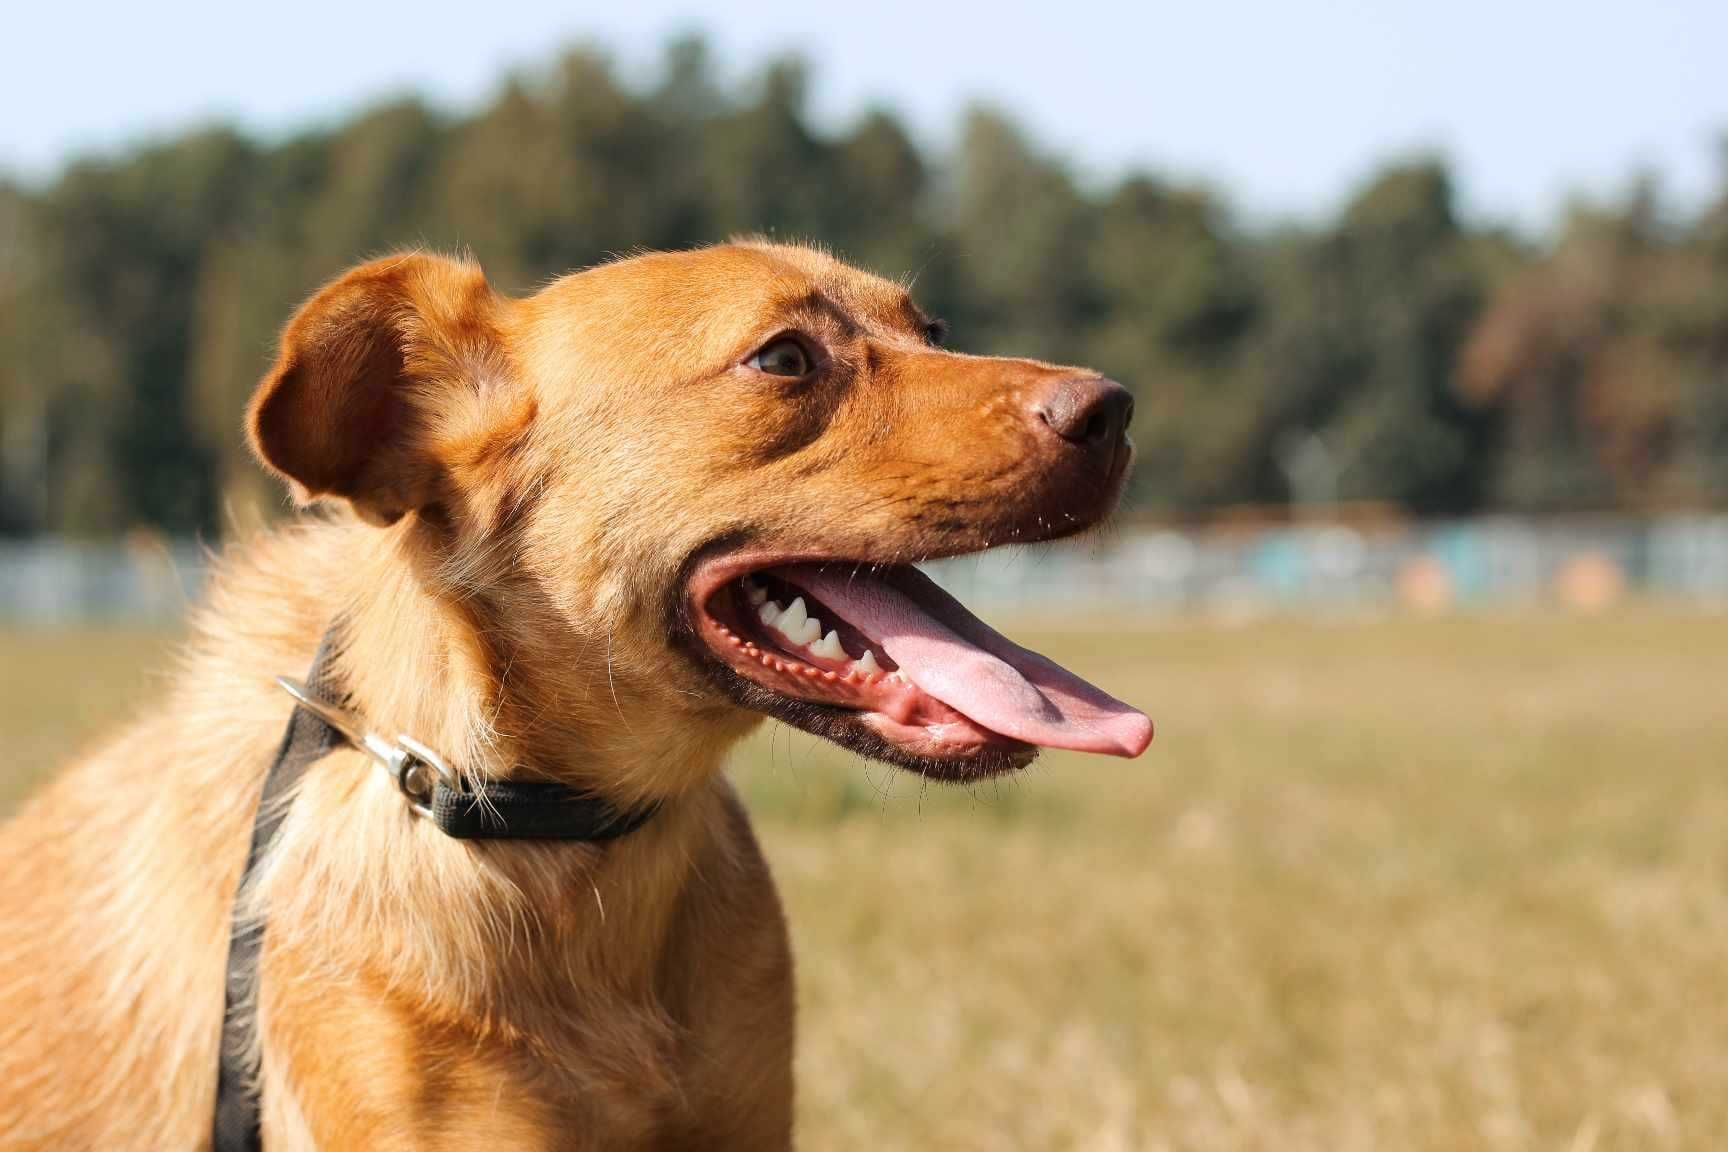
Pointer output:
x,y
520,490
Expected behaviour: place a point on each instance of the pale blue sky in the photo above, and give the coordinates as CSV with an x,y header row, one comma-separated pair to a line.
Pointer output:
x,y
1283,104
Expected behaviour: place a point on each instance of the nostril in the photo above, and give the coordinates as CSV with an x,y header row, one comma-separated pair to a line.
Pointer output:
x,y
1097,427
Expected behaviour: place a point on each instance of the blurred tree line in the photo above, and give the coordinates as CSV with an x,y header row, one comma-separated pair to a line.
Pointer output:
x,y
1394,354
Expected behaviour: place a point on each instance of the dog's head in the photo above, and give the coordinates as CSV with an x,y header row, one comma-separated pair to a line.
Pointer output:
x,y
692,486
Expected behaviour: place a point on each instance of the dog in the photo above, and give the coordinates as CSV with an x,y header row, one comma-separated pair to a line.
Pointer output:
x,y
590,536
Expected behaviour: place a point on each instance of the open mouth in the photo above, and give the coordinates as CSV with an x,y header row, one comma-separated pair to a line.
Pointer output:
x,y
845,649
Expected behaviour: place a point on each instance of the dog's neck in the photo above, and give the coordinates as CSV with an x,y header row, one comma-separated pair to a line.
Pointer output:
x,y
505,688
412,662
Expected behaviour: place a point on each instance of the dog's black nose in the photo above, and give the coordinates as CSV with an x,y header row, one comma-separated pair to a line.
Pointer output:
x,y
1088,411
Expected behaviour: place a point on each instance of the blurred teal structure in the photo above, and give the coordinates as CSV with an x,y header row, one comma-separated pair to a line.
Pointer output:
x,y
1322,567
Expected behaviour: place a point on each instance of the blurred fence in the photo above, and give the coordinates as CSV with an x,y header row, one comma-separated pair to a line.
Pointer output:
x,y
57,582
1429,567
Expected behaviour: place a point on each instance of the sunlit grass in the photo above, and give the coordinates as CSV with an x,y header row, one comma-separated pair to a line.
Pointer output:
x,y
1388,883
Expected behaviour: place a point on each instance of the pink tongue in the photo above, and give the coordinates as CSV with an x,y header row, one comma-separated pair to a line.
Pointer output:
x,y
975,670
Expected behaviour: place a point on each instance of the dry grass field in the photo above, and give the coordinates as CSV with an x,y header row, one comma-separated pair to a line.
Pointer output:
x,y
1379,884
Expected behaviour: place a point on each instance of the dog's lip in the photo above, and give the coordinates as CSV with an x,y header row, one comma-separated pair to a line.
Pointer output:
x,y
714,574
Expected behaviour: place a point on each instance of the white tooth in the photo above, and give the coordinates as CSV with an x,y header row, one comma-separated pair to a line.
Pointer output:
x,y
791,622
757,594
829,647
769,612
811,632
867,663
899,677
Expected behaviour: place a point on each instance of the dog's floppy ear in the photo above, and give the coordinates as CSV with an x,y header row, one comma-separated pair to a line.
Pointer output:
x,y
366,372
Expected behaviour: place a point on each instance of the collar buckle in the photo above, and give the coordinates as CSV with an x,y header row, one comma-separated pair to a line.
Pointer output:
x,y
412,767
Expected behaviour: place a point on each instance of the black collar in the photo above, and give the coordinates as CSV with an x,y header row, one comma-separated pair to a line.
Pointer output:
x,y
470,809
465,809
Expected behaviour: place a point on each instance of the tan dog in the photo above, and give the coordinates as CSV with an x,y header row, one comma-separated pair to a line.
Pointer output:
x,y
583,519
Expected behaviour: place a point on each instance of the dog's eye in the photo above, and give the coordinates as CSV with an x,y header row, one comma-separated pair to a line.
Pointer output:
x,y
785,357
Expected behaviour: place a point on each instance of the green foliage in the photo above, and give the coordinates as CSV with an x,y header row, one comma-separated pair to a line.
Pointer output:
x,y
1395,354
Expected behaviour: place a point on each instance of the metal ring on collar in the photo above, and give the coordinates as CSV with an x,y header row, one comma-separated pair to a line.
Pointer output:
x,y
415,769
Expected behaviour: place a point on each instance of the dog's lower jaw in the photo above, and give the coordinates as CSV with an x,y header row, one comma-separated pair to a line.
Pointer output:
x,y
851,731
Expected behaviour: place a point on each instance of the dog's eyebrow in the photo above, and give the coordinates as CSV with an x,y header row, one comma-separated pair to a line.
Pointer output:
x,y
815,302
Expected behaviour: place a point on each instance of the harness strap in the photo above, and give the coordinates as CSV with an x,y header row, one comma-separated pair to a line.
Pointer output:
x,y
486,810
236,1127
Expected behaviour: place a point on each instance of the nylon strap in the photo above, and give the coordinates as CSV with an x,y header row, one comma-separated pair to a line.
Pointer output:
x,y
307,739
488,810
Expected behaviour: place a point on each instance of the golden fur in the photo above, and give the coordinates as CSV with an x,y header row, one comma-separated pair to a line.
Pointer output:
x,y
529,480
